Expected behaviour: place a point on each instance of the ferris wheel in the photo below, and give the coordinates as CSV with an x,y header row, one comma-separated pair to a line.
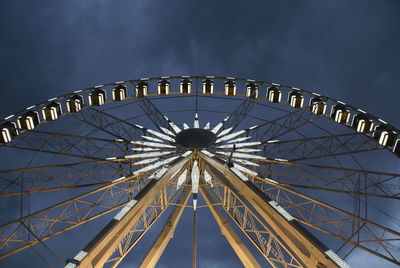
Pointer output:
x,y
291,178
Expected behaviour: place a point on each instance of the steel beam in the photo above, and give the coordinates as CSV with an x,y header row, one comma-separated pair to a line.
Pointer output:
x,y
110,124
259,233
149,217
282,125
240,113
167,233
307,248
371,236
154,114
64,216
243,253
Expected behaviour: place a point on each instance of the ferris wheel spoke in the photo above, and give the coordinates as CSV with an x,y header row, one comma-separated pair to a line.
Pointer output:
x,y
77,176
364,182
240,113
123,159
54,189
61,146
355,170
61,178
109,124
66,145
368,235
282,125
342,191
151,111
52,152
64,216
86,137
320,147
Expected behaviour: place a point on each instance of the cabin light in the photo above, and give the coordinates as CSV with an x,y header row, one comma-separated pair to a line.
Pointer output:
x,y
208,86
361,125
185,86
5,133
230,88
384,138
274,95
119,93
163,87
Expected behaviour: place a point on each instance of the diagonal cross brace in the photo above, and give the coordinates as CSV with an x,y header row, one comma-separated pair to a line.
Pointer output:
x,y
240,113
153,113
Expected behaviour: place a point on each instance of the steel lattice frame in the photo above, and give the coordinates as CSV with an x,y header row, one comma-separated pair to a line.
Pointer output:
x,y
284,161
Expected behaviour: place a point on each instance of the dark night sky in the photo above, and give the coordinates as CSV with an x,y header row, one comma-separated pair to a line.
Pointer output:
x,y
348,50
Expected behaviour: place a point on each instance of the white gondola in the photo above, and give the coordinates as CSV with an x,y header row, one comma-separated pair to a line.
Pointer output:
x,y
163,87
75,103
208,86
8,132
274,94
29,120
119,93
396,148
296,100
230,88
141,89
186,86
317,106
387,138
361,123
52,111
97,97
251,90
385,135
340,114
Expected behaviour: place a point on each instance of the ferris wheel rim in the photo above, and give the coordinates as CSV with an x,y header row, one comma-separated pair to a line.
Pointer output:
x,y
89,90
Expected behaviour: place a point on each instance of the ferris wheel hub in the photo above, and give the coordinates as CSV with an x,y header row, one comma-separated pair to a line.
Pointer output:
x,y
195,138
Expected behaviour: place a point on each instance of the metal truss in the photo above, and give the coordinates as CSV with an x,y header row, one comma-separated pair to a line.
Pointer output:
x,y
151,111
109,124
161,242
331,178
282,125
243,253
265,240
62,177
307,249
117,231
150,215
320,147
345,226
241,111
63,145
49,222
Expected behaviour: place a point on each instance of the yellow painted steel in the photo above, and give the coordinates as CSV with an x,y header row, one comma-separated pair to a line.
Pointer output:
x,y
103,249
233,239
304,249
165,236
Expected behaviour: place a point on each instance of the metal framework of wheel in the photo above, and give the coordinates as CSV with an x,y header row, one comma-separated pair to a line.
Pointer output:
x,y
292,178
